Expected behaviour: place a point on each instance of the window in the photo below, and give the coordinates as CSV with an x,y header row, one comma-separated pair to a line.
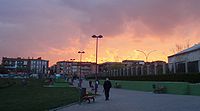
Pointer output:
x,y
193,66
25,62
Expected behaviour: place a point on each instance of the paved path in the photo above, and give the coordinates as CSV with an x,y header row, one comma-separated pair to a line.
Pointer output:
x,y
127,100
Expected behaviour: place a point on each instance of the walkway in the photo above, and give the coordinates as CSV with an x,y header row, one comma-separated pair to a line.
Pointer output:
x,y
127,100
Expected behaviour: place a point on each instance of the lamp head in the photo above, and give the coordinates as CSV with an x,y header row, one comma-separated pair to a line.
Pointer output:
x,y
81,52
100,36
94,36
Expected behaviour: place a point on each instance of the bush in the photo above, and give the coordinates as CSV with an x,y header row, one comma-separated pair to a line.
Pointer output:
x,y
191,78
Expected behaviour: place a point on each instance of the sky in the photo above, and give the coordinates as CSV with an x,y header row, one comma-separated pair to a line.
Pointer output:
x,y
57,29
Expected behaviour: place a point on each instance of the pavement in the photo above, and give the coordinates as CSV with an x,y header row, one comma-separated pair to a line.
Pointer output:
x,y
128,100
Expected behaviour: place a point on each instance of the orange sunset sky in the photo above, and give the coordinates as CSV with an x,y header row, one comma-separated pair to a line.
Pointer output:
x,y
57,29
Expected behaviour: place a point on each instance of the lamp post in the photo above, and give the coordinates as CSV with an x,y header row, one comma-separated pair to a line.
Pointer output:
x,y
146,55
72,72
97,37
80,52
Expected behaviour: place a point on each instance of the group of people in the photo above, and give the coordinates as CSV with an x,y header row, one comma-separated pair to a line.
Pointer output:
x,y
95,87
106,86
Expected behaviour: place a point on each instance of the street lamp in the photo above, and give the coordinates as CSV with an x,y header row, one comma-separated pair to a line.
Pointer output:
x,y
97,37
80,52
146,55
72,72
72,60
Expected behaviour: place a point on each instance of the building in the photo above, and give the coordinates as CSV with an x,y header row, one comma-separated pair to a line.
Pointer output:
x,y
88,68
72,68
38,66
156,67
109,66
53,69
129,63
26,66
129,68
16,65
186,61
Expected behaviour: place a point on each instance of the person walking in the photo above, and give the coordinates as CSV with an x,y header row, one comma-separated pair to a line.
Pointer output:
x,y
90,83
107,85
96,86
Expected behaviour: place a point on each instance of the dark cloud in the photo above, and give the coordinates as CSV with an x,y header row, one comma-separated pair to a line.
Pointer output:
x,y
160,16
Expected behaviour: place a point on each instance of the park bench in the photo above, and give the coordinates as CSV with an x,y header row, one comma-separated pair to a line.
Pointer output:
x,y
158,89
117,85
86,97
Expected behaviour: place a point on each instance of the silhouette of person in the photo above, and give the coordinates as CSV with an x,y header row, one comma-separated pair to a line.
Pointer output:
x,y
90,83
107,85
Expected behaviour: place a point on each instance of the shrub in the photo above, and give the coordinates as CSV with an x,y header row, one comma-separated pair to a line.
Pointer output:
x,y
191,77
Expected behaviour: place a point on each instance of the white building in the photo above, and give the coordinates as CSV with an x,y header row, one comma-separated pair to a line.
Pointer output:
x,y
39,66
129,63
186,61
22,65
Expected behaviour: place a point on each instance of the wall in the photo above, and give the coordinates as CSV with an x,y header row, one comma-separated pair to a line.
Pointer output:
x,y
180,88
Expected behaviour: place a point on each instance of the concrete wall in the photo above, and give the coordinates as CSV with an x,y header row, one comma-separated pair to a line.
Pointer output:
x,y
182,88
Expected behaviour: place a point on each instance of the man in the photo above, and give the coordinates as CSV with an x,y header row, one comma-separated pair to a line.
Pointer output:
x,y
107,85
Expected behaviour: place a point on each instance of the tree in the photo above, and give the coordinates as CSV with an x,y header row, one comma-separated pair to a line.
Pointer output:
x,y
180,47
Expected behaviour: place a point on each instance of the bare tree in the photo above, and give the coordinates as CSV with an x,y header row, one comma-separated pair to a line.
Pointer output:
x,y
180,47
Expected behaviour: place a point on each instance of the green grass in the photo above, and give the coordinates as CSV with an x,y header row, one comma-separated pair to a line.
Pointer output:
x,y
59,80
180,88
35,97
58,85
195,89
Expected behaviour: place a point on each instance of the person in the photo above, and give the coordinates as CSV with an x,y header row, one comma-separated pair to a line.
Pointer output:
x,y
72,81
51,79
96,86
90,83
80,82
107,85
24,82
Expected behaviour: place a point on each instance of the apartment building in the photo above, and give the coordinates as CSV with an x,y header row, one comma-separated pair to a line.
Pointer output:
x,y
25,66
73,68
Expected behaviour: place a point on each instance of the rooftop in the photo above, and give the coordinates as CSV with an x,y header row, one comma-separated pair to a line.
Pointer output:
x,y
191,49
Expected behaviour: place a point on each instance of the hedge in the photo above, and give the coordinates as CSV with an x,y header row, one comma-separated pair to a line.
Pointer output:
x,y
191,78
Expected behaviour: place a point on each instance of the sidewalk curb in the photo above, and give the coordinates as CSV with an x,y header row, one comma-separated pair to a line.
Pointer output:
x,y
75,103
58,108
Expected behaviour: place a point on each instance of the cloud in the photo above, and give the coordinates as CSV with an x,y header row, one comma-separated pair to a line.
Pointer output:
x,y
42,27
111,17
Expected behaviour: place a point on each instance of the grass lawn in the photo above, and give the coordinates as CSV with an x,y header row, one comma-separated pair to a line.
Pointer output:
x,y
34,97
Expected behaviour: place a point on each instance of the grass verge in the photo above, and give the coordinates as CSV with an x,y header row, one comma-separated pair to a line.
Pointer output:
x,y
34,97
